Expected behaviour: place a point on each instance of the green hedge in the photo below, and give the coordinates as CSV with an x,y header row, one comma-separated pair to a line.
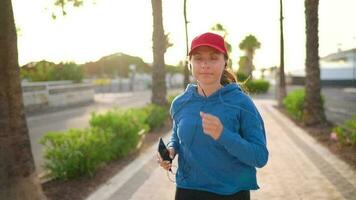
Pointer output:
x,y
123,127
252,86
294,103
157,115
346,132
257,86
51,72
111,135
75,152
241,77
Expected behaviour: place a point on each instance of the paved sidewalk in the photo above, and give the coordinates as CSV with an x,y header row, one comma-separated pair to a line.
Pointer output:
x,y
298,168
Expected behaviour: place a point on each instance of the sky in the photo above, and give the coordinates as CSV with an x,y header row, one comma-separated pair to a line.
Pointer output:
x,y
106,27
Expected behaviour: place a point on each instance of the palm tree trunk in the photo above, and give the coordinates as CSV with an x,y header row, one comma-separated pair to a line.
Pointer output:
x,y
250,66
18,179
159,89
313,106
186,70
282,93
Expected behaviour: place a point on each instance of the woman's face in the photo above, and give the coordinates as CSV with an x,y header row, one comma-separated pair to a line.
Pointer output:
x,y
207,65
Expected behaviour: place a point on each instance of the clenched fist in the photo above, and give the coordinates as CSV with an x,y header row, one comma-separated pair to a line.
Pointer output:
x,y
211,125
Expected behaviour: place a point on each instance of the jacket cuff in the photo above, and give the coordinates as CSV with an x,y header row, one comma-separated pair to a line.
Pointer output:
x,y
228,138
174,145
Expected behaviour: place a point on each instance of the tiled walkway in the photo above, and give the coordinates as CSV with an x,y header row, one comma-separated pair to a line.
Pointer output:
x,y
298,168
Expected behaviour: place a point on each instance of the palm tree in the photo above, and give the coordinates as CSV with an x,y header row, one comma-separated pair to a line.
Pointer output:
x,y
220,29
313,106
159,47
186,70
282,93
18,178
249,45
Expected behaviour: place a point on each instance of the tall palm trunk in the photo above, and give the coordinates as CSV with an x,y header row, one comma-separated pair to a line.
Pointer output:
x,y
18,179
313,107
282,93
159,90
250,66
186,70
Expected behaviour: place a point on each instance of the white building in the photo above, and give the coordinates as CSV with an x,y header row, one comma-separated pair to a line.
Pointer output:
x,y
337,69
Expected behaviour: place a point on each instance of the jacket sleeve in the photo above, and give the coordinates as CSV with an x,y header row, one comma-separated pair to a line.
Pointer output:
x,y
251,148
174,141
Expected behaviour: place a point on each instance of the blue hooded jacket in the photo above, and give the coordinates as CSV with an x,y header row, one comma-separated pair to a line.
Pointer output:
x,y
226,165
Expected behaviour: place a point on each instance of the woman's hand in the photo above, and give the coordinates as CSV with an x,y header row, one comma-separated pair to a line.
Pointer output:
x,y
211,125
165,164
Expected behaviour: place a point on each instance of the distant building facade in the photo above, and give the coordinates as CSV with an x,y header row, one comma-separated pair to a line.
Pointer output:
x,y
337,69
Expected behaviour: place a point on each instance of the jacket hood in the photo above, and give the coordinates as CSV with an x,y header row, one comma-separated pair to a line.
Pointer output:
x,y
229,92
223,92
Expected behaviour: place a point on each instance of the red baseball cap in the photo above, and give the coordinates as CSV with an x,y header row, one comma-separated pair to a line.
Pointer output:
x,y
209,39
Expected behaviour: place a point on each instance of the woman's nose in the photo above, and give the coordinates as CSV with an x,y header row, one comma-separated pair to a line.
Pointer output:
x,y
205,63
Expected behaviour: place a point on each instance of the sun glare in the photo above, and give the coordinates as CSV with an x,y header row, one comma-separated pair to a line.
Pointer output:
x,y
111,26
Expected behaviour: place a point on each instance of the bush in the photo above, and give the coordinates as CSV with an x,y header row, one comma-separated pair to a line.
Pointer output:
x,y
252,86
294,103
124,128
111,135
37,73
156,115
346,132
44,71
241,77
66,71
257,86
101,82
75,152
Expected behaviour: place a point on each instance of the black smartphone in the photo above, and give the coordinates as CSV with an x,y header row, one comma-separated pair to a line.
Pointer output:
x,y
163,151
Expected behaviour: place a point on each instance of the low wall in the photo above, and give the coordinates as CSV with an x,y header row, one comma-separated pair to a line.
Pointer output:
x,y
51,95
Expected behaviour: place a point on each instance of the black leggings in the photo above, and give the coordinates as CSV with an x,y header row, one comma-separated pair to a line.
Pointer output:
x,y
187,194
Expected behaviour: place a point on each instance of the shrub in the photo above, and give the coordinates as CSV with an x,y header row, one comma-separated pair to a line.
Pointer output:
x,y
346,132
37,73
257,86
44,71
123,126
111,135
101,82
241,77
66,71
156,115
294,103
253,86
75,152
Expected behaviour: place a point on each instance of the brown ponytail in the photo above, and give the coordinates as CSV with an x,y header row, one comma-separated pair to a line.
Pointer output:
x,y
227,77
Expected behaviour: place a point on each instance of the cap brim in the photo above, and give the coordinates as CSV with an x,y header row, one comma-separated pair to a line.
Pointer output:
x,y
209,45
